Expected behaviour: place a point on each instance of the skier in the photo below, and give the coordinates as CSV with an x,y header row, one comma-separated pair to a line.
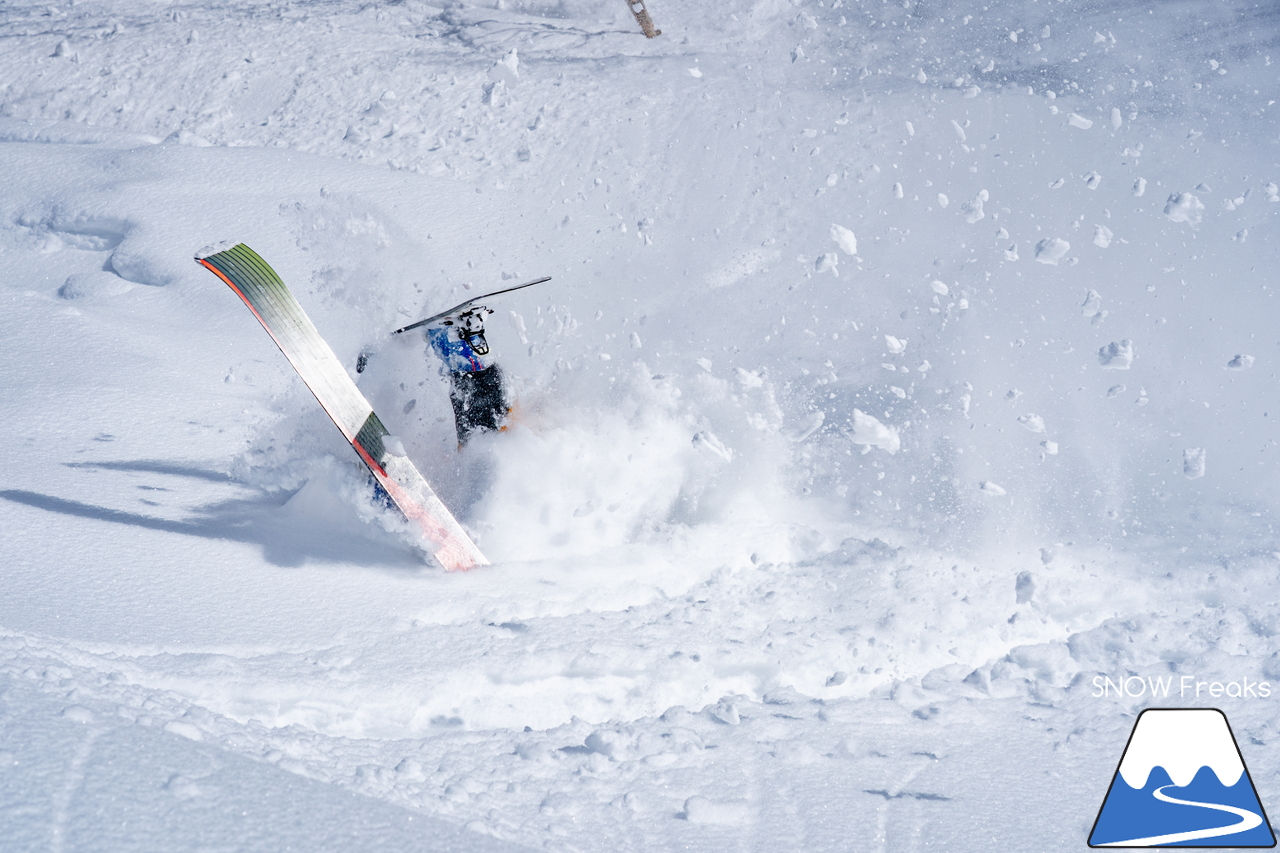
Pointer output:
x,y
476,385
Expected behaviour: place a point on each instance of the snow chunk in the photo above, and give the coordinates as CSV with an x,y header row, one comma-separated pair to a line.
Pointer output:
x,y
394,445
1035,423
845,239
1139,186
943,201
1116,119
1117,355
1092,180
726,711
869,432
827,261
506,70
1102,236
1193,462
1184,207
712,446
216,248
955,125
1024,587
1240,362
517,323
894,345
991,488
973,209
1050,447
749,378
1050,250
939,288
703,810
1079,121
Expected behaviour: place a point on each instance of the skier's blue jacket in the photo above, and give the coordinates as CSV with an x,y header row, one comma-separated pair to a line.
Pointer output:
x,y
457,355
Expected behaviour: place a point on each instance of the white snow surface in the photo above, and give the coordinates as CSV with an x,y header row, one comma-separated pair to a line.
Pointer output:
x,y
713,621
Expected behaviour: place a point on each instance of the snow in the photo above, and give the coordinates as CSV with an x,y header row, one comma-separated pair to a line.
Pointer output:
x,y
843,237
1117,355
1051,250
782,560
1184,207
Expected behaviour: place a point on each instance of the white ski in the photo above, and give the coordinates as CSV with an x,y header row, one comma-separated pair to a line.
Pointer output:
x,y
255,282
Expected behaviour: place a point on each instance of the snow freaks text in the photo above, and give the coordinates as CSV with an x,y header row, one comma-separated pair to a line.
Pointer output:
x,y
1184,687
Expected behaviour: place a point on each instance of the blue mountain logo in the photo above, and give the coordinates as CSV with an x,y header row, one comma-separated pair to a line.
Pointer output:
x,y
1181,783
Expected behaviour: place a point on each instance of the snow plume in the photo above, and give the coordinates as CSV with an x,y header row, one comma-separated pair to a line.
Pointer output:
x,y
574,481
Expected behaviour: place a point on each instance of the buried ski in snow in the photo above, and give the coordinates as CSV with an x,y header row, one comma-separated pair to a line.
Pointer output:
x,y
269,299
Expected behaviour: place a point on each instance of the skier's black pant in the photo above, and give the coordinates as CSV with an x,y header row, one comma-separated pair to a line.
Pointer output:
x,y
479,401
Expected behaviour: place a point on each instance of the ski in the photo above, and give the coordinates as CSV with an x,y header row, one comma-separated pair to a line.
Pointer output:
x,y
266,295
473,300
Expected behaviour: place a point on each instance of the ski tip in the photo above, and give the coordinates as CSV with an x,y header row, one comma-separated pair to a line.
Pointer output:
x,y
209,251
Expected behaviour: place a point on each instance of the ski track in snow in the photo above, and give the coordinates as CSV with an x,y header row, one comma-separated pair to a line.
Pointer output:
x,y
750,591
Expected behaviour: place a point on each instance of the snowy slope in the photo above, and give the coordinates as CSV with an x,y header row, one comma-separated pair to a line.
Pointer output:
x,y
904,366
